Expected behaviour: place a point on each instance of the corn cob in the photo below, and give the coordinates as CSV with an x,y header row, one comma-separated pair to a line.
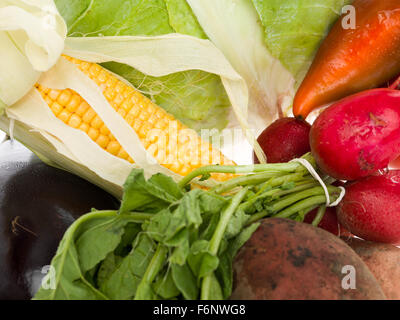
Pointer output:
x,y
179,155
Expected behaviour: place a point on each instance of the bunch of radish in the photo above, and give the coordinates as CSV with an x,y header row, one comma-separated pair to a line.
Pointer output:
x,y
353,140
357,138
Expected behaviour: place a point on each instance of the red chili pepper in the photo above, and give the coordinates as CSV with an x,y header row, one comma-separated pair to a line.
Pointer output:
x,y
353,60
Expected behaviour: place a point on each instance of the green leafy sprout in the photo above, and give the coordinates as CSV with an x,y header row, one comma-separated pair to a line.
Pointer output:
x,y
175,241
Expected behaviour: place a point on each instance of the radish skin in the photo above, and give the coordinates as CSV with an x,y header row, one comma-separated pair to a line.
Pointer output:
x,y
285,140
371,208
358,135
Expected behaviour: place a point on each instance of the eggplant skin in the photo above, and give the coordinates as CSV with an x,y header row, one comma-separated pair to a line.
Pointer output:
x,y
37,205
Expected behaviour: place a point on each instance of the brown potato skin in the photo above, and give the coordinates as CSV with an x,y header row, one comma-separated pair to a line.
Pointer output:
x,y
384,262
288,260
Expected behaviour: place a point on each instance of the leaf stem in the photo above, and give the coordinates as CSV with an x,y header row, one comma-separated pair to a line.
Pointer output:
x,y
139,217
225,217
253,179
293,198
153,269
256,168
319,216
218,235
304,204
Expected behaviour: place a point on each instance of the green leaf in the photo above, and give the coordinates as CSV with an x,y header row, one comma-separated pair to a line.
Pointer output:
x,y
165,286
195,97
185,281
236,223
211,203
151,195
115,17
182,19
145,290
107,267
91,251
157,226
209,227
190,207
224,272
241,239
294,29
180,253
168,184
171,228
72,10
200,260
124,281
177,235
235,28
80,251
214,289
130,233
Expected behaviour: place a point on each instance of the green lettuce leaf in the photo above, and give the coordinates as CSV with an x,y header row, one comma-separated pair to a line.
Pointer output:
x,y
294,29
195,97
182,19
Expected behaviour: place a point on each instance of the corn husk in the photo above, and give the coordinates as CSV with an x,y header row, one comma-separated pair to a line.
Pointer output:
x,y
28,118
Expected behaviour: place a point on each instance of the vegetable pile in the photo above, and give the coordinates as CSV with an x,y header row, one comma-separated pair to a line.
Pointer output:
x,y
123,93
167,241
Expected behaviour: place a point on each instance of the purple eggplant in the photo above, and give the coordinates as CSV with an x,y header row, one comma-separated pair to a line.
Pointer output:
x,y
37,204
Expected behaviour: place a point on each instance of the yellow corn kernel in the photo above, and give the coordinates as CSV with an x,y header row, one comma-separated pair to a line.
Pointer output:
x,y
104,130
163,137
55,107
73,104
64,98
84,127
74,121
93,133
64,115
113,147
96,122
89,115
82,108
53,94
123,154
103,141
109,93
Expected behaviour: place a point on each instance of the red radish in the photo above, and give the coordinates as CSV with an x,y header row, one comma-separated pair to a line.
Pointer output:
x,y
285,140
358,135
371,208
329,222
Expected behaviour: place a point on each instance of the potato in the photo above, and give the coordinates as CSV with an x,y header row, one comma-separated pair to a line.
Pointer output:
x,y
290,260
384,262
